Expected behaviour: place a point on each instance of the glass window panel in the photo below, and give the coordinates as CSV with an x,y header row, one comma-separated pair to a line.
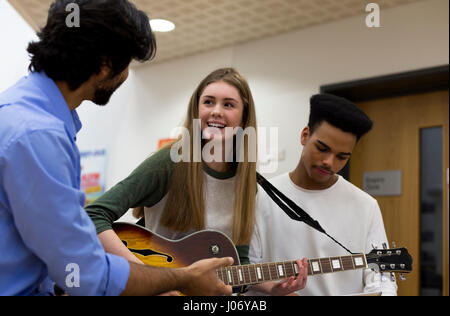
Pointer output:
x,y
431,211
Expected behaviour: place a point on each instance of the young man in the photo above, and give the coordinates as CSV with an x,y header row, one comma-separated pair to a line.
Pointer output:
x,y
345,212
46,236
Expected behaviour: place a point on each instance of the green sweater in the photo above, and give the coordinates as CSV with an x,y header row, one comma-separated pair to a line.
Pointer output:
x,y
146,186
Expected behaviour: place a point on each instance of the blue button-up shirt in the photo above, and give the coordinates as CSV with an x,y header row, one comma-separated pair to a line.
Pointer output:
x,y
45,234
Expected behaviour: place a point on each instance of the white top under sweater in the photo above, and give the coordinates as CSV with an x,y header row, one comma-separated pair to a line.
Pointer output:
x,y
219,206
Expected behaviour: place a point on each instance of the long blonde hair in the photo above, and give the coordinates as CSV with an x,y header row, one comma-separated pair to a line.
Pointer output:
x,y
185,206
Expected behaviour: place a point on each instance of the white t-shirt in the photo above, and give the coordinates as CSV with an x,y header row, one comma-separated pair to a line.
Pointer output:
x,y
346,213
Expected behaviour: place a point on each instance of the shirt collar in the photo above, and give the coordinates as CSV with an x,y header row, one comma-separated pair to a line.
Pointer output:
x,y
230,173
57,105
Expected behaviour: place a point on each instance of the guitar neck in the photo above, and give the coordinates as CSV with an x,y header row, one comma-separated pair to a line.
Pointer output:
x,y
258,273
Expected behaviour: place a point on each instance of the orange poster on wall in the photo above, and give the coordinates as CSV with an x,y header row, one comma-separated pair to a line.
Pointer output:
x,y
164,141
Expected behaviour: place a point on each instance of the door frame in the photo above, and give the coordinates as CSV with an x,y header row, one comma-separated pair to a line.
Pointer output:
x,y
396,85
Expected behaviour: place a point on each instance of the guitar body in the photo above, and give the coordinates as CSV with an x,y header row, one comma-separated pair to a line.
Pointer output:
x,y
157,251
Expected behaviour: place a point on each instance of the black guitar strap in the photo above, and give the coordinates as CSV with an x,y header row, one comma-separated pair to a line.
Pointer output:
x,y
294,211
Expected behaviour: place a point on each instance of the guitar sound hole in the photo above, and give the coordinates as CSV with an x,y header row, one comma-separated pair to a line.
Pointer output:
x,y
148,252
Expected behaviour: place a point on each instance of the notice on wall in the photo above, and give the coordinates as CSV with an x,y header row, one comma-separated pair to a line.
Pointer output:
x,y
93,173
383,183
165,141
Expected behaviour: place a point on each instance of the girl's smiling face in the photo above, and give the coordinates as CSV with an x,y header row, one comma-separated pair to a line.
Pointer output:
x,y
220,106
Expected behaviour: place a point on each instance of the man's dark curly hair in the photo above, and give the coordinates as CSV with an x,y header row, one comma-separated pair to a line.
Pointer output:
x,y
111,32
340,113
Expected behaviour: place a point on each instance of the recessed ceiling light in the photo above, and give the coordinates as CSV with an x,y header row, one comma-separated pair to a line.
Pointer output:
x,y
160,25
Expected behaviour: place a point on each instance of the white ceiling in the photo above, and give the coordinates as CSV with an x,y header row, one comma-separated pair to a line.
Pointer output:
x,y
204,25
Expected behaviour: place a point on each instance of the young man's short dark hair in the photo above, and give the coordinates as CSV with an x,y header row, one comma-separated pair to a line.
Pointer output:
x,y
340,113
111,32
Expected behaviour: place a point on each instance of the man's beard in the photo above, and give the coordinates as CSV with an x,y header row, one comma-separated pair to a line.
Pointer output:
x,y
102,96
103,93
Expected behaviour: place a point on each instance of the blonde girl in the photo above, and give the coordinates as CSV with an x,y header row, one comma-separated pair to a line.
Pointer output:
x,y
178,198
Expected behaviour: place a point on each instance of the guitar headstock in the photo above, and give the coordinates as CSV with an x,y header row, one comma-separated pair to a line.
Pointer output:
x,y
390,260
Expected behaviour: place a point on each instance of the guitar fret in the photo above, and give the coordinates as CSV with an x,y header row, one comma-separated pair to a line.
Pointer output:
x,y
290,270
253,274
347,263
224,275
359,261
315,266
219,274
235,276
258,272
241,277
221,277
341,262
320,264
286,271
310,270
294,268
281,272
230,279
336,264
247,278
326,265
266,272
273,271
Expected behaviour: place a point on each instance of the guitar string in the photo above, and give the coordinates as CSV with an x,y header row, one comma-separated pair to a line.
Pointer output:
x,y
271,268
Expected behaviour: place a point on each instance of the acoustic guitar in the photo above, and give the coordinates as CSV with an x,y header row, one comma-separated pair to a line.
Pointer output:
x,y
157,251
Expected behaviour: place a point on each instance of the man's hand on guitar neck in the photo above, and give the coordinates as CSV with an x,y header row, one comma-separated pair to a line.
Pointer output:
x,y
198,279
202,278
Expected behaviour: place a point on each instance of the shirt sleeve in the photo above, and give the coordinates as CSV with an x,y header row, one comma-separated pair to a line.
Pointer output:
x,y
145,186
243,254
40,182
374,281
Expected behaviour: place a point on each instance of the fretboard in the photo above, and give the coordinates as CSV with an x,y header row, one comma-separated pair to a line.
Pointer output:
x,y
259,273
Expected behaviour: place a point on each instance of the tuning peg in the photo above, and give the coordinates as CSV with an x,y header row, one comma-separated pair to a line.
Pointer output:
x,y
402,277
385,246
374,246
394,245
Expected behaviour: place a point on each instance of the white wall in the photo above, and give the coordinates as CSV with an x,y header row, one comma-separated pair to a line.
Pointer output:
x,y
15,34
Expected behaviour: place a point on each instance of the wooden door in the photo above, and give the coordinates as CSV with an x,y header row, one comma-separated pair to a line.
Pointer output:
x,y
394,144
